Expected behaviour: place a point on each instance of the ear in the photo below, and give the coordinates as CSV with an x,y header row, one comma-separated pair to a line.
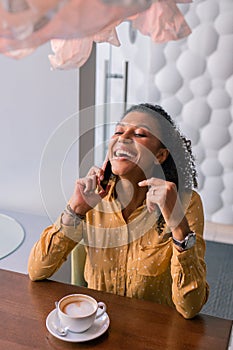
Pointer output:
x,y
161,156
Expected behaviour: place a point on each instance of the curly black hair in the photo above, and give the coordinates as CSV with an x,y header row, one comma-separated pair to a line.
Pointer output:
x,y
179,166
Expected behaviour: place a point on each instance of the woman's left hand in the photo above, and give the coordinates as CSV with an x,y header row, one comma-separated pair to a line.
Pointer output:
x,y
164,194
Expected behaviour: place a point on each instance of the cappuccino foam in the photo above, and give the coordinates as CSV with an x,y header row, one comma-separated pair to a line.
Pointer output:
x,y
79,308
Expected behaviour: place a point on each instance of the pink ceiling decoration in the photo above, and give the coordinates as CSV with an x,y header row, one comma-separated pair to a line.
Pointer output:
x,y
73,25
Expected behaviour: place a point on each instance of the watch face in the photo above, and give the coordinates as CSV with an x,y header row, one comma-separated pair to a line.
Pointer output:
x,y
188,242
191,240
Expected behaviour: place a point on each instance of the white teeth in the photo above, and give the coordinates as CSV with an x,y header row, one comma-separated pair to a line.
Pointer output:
x,y
123,153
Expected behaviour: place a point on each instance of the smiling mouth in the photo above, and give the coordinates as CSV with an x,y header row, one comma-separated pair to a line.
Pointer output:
x,y
123,154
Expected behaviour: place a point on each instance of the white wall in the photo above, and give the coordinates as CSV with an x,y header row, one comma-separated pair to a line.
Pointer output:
x,y
34,100
193,80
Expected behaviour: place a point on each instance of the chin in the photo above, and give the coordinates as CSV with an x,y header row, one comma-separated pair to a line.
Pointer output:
x,y
125,170
121,170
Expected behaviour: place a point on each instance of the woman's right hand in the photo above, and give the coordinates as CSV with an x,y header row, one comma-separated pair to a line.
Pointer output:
x,y
88,191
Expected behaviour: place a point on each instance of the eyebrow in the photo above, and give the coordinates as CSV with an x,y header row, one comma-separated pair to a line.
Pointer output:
x,y
137,126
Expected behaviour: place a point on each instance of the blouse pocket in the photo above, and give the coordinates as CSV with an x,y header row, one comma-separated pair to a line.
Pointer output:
x,y
154,259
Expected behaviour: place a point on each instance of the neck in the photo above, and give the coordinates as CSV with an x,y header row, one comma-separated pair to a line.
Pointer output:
x,y
130,195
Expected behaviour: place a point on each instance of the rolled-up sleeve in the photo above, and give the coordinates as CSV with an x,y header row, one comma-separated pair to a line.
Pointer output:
x,y
52,249
188,269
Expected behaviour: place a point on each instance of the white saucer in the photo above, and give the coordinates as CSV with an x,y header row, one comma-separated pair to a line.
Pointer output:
x,y
99,327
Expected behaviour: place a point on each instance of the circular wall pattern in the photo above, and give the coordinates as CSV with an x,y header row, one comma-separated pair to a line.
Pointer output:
x,y
12,235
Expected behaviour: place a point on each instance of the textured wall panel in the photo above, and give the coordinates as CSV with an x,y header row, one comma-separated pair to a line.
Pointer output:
x,y
193,80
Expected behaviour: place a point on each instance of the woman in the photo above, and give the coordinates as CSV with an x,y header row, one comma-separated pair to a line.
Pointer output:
x,y
143,228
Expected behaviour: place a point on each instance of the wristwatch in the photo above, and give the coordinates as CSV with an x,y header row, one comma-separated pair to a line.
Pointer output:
x,y
187,243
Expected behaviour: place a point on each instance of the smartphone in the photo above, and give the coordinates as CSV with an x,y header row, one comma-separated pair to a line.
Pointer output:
x,y
107,174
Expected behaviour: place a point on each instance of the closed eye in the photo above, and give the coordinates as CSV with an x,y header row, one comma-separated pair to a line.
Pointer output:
x,y
139,135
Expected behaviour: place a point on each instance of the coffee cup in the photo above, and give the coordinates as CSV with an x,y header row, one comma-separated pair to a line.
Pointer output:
x,y
77,312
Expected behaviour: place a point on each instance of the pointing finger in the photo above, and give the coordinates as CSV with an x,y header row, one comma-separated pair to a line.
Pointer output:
x,y
143,183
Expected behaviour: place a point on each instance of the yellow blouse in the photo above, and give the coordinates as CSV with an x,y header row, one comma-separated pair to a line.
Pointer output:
x,y
130,259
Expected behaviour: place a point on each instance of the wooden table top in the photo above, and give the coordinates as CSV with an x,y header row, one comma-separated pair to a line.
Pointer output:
x,y
134,324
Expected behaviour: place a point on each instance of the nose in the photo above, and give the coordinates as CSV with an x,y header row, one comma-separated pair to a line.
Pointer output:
x,y
125,137
124,140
